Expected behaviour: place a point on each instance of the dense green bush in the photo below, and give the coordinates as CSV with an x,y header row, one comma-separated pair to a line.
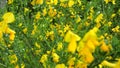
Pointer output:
x,y
60,34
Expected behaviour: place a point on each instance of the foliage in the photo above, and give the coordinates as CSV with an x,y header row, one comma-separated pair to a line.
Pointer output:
x,y
60,33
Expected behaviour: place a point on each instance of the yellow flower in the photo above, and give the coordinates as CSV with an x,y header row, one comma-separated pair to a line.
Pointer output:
x,y
113,1
80,2
80,64
87,23
22,65
26,10
78,19
90,17
61,33
12,36
37,52
1,34
117,64
11,32
39,1
13,59
50,35
87,45
83,7
86,55
92,9
60,66
70,35
24,30
113,15
55,57
55,2
111,65
66,28
71,62
52,12
37,16
109,23
95,42
116,29
106,1
49,2
34,2
89,41
10,1
80,46
59,46
99,18
72,39
106,63
44,58
34,30
104,47
44,11
90,45
72,46
113,29
48,52
20,24
8,17
37,45
63,5
17,66
70,3
91,35
67,37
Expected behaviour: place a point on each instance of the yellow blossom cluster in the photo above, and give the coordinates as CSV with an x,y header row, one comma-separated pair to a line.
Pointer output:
x,y
60,34
7,18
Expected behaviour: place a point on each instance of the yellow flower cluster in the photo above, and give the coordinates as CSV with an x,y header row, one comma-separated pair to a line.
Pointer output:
x,y
60,34
70,3
98,19
13,59
85,47
7,18
116,29
52,2
35,2
10,1
72,39
107,1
